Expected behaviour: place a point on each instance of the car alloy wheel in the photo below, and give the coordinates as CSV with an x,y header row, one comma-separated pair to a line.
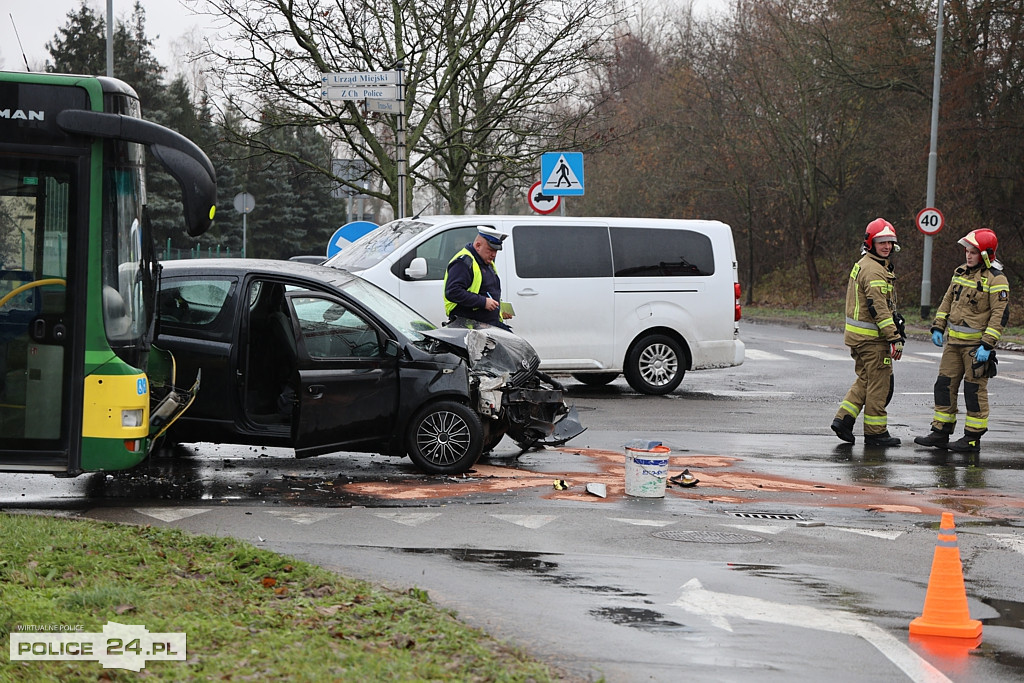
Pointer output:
x,y
655,365
445,437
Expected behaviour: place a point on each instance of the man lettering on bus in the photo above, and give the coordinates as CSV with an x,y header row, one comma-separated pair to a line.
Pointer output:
x,y
472,288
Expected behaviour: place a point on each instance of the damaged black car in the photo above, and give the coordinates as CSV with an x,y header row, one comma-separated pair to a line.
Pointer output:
x,y
319,360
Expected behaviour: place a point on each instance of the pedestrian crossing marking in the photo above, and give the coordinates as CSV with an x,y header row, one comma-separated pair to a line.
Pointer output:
x,y
408,518
821,355
877,533
763,528
171,514
755,354
1011,541
642,522
528,521
301,516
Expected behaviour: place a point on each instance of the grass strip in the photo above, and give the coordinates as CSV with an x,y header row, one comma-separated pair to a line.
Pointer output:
x,y
249,614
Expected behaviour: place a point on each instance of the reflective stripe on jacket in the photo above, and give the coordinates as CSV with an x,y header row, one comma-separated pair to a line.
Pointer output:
x,y
474,286
975,308
870,302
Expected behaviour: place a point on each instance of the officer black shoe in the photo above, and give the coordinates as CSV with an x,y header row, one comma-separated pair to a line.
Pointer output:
x,y
934,438
882,440
844,428
966,444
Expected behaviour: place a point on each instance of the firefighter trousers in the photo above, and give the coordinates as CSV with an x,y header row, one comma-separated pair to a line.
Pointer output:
x,y
872,390
954,368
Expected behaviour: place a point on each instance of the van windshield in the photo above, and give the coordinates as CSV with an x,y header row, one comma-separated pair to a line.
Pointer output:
x,y
374,246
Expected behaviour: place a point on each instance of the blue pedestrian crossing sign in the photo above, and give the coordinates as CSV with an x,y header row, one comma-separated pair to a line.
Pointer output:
x,y
347,234
561,174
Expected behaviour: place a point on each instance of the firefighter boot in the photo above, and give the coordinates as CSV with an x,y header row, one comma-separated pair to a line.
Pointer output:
x,y
844,428
882,440
968,443
934,438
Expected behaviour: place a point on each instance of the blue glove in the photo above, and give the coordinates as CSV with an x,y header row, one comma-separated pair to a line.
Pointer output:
x,y
936,338
981,355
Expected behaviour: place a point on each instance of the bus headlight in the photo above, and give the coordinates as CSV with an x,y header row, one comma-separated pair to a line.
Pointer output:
x,y
131,418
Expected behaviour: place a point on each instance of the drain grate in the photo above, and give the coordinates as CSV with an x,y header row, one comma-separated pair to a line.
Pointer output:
x,y
767,515
706,537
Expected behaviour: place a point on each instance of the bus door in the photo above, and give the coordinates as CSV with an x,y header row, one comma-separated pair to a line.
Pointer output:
x,y
37,199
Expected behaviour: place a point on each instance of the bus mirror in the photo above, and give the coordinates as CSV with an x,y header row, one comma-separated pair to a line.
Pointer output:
x,y
198,189
183,159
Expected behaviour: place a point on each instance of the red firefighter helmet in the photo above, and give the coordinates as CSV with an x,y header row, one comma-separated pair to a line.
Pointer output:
x,y
985,241
879,230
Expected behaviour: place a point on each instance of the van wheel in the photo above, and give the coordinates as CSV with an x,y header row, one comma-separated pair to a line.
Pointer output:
x,y
445,438
594,379
655,365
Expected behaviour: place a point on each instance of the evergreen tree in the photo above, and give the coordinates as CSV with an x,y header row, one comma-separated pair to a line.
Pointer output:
x,y
79,47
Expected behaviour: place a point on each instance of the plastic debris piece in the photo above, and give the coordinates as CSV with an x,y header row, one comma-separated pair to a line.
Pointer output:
x,y
599,490
560,485
684,479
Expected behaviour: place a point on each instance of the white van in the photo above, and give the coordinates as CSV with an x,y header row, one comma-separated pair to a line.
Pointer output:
x,y
650,298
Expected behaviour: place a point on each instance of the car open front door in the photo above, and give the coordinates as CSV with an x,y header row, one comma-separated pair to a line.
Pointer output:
x,y
348,386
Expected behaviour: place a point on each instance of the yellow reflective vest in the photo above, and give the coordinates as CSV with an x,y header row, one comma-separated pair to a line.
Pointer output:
x,y
870,302
975,308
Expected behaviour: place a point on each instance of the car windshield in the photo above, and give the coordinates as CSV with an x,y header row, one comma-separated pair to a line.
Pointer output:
x,y
390,309
375,245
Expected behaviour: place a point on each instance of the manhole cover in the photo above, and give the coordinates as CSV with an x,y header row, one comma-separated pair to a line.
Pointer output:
x,y
767,515
706,537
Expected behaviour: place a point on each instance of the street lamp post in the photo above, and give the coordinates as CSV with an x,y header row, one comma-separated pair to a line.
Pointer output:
x,y
926,267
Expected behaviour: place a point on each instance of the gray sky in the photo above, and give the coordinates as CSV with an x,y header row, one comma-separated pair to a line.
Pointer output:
x,y
37,21
167,23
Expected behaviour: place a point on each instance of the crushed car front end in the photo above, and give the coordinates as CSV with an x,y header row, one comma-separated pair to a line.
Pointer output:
x,y
510,392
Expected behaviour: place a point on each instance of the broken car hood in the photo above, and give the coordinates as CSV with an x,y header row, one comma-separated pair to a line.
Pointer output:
x,y
487,348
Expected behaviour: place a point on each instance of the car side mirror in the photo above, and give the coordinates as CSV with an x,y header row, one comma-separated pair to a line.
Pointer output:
x,y
417,270
392,348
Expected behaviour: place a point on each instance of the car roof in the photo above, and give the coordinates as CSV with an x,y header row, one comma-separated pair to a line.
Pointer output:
x,y
242,267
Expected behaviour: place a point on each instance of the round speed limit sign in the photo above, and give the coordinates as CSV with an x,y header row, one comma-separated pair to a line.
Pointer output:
x,y
929,221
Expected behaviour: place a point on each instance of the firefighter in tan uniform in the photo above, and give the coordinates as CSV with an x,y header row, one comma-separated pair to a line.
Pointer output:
x,y
875,335
973,313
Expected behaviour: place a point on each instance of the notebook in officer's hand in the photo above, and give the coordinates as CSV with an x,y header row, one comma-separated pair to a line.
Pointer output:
x,y
506,310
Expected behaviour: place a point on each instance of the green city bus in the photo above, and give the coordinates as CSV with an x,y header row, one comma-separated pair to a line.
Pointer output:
x,y
82,388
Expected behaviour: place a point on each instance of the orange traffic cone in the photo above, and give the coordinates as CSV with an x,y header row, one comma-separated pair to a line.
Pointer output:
x,y
945,603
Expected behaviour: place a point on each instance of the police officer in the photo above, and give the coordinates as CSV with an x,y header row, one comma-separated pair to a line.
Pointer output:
x,y
875,335
973,313
472,288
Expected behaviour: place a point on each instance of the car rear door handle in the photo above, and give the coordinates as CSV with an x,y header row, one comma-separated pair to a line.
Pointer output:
x,y
527,292
316,390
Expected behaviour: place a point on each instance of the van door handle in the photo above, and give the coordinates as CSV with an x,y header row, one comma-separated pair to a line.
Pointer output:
x,y
316,390
527,292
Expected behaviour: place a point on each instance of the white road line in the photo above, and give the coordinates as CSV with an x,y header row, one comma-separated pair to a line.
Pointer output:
x,y
528,521
1014,542
716,607
302,517
408,518
171,514
822,355
755,354
642,522
888,535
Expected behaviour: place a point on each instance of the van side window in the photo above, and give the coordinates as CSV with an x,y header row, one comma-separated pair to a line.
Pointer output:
x,y
654,252
561,251
438,251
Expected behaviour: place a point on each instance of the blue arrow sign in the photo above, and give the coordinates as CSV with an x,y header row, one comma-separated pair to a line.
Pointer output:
x,y
561,174
347,234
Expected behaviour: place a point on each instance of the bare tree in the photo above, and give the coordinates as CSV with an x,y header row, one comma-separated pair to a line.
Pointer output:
x,y
481,78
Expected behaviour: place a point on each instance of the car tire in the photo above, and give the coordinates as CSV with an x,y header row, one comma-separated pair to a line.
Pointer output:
x,y
594,379
655,365
445,437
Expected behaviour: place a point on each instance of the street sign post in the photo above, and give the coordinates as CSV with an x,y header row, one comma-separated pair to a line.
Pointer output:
x,y
929,221
360,92
244,204
347,234
540,202
350,78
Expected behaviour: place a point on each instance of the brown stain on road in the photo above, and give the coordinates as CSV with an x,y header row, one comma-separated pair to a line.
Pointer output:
x,y
719,481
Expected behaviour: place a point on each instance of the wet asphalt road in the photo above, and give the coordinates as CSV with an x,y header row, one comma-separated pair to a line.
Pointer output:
x,y
794,557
